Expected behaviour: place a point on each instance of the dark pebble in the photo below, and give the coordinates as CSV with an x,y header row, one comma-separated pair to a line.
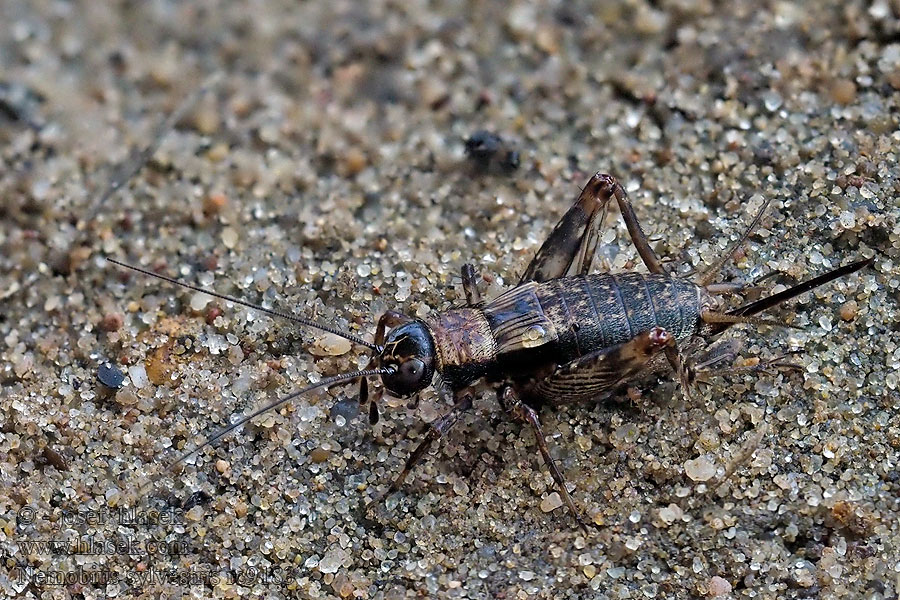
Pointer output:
x,y
347,408
482,145
196,499
491,152
54,458
110,376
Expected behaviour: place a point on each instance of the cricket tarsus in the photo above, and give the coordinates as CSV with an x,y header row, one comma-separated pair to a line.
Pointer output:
x,y
276,313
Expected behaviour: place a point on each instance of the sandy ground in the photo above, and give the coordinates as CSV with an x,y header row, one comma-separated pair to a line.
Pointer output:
x,y
325,173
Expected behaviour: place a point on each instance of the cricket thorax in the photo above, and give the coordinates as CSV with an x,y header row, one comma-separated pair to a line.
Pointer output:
x,y
465,345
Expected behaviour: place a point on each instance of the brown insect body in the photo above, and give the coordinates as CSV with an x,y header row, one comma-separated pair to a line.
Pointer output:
x,y
534,326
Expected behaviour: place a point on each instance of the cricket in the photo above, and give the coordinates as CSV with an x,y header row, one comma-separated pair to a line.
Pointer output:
x,y
561,335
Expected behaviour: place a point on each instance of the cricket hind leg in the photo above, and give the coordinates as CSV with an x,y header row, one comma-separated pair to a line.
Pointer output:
x,y
638,237
718,360
570,247
686,369
590,376
436,430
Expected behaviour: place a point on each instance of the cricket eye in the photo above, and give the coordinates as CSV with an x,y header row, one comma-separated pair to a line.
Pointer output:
x,y
412,369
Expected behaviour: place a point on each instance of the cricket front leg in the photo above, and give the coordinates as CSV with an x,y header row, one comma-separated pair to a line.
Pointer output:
x,y
436,430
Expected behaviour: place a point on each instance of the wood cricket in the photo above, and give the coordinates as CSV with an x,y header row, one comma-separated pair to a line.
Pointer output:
x,y
560,335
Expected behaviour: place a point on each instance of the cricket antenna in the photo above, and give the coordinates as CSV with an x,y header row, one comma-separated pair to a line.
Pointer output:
x,y
303,321
216,436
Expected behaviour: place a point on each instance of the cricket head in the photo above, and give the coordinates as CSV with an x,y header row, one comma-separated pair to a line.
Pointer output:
x,y
408,354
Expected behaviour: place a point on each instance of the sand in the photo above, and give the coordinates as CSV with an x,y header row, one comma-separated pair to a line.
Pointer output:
x,y
323,171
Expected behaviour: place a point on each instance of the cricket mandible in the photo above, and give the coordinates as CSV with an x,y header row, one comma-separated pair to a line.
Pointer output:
x,y
561,335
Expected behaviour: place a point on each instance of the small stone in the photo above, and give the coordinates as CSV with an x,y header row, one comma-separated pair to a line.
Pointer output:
x,y
218,152
113,496
772,101
718,587
847,219
54,458
229,237
342,585
843,91
206,118
670,514
127,397
354,161
195,514
22,364
158,367
849,310
482,145
138,376
222,466
52,303
319,455
805,573
546,39
460,488
112,322
344,411
551,502
699,469
110,376
521,19
235,355
330,345
199,300
212,314
893,78
649,21
214,203
333,560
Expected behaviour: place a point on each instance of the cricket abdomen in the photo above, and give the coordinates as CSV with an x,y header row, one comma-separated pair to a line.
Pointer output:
x,y
555,322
